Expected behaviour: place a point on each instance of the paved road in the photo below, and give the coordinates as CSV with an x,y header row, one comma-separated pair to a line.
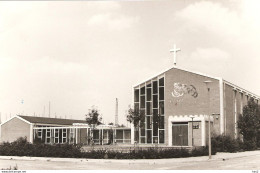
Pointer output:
x,y
226,161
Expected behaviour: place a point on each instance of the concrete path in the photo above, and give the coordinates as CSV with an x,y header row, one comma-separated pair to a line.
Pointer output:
x,y
243,160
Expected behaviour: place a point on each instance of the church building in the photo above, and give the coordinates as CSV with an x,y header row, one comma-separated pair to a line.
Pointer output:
x,y
178,105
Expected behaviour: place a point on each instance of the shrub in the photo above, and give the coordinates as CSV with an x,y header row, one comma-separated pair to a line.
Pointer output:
x,y
249,145
223,143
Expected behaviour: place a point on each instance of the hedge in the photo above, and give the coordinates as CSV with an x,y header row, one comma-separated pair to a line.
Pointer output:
x,y
21,147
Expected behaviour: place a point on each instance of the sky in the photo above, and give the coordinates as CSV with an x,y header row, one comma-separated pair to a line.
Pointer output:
x,y
80,54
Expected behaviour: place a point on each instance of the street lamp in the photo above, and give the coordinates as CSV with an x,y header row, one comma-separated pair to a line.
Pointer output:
x,y
192,129
208,93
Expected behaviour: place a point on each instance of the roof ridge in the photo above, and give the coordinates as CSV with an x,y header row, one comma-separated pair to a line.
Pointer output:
x,y
48,117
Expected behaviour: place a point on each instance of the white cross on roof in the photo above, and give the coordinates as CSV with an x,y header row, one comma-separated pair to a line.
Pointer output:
x,y
174,50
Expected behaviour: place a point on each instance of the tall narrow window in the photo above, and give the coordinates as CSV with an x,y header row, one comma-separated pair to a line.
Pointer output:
x,y
161,93
48,135
161,122
155,101
161,107
149,122
142,105
149,136
137,95
161,136
148,108
155,122
142,90
149,94
155,87
56,135
136,106
161,82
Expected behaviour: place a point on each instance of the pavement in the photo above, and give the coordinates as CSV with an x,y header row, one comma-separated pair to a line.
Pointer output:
x,y
242,160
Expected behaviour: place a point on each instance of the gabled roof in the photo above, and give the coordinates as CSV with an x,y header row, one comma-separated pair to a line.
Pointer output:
x,y
46,120
175,67
201,74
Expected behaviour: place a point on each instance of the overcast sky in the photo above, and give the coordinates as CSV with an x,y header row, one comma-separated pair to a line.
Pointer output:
x,y
80,53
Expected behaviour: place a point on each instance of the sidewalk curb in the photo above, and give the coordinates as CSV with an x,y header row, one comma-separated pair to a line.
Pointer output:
x,y
217,157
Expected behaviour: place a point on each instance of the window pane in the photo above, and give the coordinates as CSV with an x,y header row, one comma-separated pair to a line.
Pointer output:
x,y
149,136
119,134
161,122
161,93
142,90
155,140
137,136
64,140
142,105
149,122
136,106
96,134
149,85
143,140
161,136
142,132
155,101
149,108
142,114
161,82
155,122
136,95
155,87
161,108
149,94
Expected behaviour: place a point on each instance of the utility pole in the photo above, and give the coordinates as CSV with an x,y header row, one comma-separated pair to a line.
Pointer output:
x,y
43,111
116,115
208,101
49,109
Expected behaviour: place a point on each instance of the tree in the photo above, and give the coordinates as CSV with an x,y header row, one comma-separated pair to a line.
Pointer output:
x,y
136,117
93,117
249,125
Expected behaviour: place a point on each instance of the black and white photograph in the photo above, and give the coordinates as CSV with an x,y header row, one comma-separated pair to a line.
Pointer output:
x,y
130,85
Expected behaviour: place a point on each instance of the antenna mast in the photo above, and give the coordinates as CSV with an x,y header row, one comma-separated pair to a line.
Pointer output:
x,y
116,116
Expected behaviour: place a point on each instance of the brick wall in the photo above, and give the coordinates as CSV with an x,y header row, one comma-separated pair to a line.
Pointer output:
x,y
187,104
196,134
13,129
229,111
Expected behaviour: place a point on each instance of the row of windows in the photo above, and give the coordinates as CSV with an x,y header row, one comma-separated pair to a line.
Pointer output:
x,y
149,99
58,135
149,94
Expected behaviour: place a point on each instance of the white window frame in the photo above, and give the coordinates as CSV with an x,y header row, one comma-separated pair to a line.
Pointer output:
x,y
56,137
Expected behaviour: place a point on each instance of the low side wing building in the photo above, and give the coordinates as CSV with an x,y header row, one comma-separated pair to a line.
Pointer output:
x,y
56,130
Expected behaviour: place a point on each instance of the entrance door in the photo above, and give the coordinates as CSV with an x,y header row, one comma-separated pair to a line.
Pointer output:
x,y
180,134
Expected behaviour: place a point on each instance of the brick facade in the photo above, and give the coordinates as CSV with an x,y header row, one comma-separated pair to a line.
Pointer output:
x,y
188,104
224,99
